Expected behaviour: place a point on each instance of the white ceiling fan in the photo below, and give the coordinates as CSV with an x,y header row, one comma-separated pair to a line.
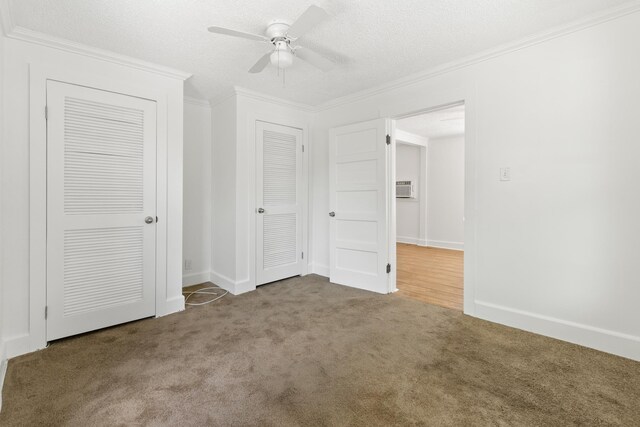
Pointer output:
x,y
282,36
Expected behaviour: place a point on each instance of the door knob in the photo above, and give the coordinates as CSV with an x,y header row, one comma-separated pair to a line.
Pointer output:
x,y
149,220
260,210
332,214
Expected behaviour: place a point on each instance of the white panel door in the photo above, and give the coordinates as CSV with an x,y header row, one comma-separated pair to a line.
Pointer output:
x,y
359,212
278,201
101,207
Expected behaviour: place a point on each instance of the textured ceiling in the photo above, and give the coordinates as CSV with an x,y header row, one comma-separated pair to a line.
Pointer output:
x,y
437,124
375,41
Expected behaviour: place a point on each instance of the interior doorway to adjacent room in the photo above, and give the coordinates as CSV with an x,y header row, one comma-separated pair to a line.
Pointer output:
x,y
430,166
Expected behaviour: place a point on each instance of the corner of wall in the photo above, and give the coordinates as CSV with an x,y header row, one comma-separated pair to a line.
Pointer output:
x,y
6,18
320,269
3,371
234,287
197,244
223,190
195,278
4,23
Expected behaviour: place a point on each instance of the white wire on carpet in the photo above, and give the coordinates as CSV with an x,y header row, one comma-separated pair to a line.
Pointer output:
x,y
219,293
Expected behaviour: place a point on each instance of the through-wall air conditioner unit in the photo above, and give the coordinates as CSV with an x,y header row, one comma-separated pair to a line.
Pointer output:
x,y
404,190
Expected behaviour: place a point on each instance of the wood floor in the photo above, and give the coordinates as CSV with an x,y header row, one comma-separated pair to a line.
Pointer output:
x,y
431,275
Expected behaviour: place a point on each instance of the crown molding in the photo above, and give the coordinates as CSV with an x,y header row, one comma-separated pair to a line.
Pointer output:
x,y
238,91
23,34
593,20
559,31
223,97
247,93
6,17
197,102
30,36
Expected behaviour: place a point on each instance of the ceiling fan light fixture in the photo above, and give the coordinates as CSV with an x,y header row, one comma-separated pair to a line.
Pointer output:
x,y
280,34
282,57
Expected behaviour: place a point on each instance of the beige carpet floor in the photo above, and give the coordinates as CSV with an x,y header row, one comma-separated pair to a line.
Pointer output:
x,y
307,352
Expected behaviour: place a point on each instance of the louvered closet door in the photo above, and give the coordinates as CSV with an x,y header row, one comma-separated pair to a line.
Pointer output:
x,y
101,154
279,195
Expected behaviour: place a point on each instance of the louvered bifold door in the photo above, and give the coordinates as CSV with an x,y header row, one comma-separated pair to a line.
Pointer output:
x,y
279,195
101,209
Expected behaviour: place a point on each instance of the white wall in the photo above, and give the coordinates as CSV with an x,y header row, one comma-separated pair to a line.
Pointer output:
x,y
2,131
550,251
408,210
445,193
253,107
233,256
554,250
196,234
223,214
19,56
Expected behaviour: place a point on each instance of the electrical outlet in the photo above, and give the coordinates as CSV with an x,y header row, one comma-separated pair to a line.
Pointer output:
x,y
505,174
187,264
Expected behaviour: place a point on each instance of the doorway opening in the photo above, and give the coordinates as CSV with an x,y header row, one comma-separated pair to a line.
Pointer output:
x,y
430,167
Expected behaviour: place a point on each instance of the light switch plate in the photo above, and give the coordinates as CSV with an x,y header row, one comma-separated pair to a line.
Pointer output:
x,y
505,174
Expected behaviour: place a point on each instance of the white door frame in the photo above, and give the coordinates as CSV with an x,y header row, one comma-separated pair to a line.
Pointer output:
x,y
38,76
408,139
391,206
438,101
281,120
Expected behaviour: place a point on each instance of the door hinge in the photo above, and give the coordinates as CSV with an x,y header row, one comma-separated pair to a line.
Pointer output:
x,y
303,148
388,268
46,112
46,311
302,255
388,139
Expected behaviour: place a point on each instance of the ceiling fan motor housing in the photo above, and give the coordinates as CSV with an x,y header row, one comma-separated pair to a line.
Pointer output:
x,y
282,56
276,30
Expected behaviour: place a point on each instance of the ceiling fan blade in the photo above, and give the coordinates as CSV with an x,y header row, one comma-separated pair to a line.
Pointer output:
x,y
234,33
261,64
315,59
309,19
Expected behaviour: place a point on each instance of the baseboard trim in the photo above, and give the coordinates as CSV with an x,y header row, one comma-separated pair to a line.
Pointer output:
x,y
223,281
3,373
235,288
173,305
320,269
22,344
17,346
456,246
597,338
195,278
3,369
244,287
411,240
